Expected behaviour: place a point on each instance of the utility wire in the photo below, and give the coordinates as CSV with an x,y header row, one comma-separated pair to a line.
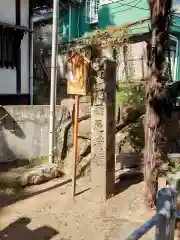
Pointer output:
x,y
130,5
127,9
63,5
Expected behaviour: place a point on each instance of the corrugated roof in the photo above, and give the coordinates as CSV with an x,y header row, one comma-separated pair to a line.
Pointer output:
x,y
8,25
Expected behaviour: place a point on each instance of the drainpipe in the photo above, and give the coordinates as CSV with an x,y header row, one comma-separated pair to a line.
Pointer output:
x,y
53,79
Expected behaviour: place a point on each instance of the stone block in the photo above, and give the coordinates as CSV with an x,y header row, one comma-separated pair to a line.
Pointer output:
x,y
40,175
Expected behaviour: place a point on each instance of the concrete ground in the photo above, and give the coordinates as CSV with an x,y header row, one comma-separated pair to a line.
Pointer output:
x,y
48,211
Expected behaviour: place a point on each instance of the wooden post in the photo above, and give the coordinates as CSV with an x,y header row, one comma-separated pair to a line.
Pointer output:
x,y
76,115
166,206
103,126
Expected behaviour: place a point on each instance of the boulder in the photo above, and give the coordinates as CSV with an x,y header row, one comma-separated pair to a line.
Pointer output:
x,y
68,103
128,160
120,139
84,106
84,152
84,131
127,147
84,109
126,113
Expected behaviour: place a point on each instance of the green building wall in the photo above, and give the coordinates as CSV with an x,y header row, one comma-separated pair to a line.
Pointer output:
x,y
79,27
123,12
117,14
110,14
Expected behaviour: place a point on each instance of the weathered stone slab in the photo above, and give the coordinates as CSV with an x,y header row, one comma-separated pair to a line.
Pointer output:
x,y
103,126
40,174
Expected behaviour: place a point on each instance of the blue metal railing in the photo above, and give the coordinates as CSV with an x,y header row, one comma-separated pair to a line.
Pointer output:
x,y
138,233
164,220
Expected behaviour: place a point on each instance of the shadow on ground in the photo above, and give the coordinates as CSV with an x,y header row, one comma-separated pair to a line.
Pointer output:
x,y
18,230
6,200
126,180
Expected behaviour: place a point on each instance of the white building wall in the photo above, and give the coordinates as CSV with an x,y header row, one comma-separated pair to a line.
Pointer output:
x,y
136,62
8,76
8,11
7,81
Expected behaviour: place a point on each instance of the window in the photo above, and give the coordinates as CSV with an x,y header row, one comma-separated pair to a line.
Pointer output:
x,y
10,40
131,62
6,48
171,61
92,7
171,57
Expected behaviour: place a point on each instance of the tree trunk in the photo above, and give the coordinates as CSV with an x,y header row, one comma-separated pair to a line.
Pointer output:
x,y
157,102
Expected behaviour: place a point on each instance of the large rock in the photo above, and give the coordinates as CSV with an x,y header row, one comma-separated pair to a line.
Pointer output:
x,y
120,139
64,138
40,174
129,145
84,153
129,160
130,138
126,139
126,113
84,106
84,131
68,103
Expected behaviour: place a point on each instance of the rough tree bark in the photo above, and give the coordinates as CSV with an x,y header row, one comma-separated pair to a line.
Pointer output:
x,y
158,105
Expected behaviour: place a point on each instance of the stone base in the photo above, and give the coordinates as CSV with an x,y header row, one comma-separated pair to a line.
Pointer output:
x,y
40,174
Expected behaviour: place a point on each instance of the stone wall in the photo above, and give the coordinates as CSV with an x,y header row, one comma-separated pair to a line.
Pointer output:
x,y
24,131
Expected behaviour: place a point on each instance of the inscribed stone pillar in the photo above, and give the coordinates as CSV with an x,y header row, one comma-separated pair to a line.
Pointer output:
x,y
103,126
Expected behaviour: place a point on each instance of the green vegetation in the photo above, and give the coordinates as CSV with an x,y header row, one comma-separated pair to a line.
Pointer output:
x,y
37,162
174,164
131,95
13,181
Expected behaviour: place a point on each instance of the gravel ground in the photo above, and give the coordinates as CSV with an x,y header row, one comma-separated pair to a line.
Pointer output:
x,y
48,211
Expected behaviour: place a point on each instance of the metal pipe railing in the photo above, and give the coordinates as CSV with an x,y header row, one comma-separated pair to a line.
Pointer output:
x,y
164,220
138,233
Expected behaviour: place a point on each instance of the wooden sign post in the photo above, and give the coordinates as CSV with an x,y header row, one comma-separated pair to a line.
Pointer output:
x,y
77,85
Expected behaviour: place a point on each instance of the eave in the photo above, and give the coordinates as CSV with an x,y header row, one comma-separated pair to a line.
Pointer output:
x,y
49,3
